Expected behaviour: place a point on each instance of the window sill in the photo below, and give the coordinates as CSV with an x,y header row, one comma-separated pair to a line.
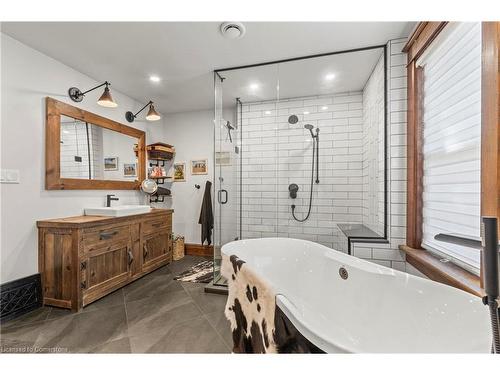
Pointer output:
x,y
446,273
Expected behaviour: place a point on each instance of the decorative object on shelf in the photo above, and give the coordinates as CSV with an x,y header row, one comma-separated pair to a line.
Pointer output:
x,y
222,158
105,100
157,171
179,172
160,194
149,187
178,252
199,166
163,191
111,163
160,151
151,116
130,170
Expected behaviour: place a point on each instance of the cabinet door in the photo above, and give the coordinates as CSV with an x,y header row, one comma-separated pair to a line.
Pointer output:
x,y
107,268
156,248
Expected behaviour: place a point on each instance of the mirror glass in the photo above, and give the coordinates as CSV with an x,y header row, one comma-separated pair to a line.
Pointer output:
x,y
89,151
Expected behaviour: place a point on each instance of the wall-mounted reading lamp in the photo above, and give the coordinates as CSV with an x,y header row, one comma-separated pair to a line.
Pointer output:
x,y
105,100
151,116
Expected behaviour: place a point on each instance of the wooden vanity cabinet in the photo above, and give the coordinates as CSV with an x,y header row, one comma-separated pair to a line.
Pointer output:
x,y
84,258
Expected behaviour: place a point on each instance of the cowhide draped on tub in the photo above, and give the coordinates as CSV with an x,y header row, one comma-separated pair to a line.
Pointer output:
x,y
258,325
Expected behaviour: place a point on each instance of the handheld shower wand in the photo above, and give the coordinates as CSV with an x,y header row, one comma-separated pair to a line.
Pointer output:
x,y
315,138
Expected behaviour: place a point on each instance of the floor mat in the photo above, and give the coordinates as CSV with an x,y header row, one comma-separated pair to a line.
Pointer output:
x,y
199,273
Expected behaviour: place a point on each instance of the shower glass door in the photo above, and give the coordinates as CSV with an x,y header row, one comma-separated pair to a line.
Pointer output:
x,y
227,132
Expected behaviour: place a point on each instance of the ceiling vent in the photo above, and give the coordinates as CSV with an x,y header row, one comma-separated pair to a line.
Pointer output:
x,y
232,30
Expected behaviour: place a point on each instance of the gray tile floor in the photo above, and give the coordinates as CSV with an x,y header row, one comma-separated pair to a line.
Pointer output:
x,y
155,314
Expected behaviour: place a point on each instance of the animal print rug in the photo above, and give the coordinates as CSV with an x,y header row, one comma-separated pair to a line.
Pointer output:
x,y
258,326
199,273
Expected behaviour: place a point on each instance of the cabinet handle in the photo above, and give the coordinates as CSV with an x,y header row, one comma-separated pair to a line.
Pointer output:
x,y
130,256
107,235
156,225
145,252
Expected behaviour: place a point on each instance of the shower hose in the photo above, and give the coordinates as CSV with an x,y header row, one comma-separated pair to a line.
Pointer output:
x,y
311,193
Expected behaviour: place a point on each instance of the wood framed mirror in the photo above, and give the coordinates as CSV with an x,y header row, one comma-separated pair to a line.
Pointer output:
x,y
85,151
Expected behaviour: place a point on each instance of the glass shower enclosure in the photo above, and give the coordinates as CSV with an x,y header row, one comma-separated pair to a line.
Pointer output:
x,y
300,150
227,174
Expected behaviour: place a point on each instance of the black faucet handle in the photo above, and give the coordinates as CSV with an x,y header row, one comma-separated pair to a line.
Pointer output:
x,y
109,198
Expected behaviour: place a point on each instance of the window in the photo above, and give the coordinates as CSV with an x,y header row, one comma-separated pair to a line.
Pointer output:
x,y
451,141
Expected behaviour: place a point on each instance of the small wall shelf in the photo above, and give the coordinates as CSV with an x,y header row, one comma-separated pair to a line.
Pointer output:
x,y
162,179
158,155
160,152
158,198
156,162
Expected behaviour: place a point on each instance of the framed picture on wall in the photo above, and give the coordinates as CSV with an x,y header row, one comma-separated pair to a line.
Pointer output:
x,y
179,172
199,166
129,170
111,163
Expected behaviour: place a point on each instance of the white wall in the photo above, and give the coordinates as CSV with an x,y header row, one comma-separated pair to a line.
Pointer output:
x,y
28,77
192,135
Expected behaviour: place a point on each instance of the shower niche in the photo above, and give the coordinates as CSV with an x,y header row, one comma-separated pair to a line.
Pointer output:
x,y
307,150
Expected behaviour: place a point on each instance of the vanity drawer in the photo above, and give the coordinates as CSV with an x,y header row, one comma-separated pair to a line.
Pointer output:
x,y
159,224
98,238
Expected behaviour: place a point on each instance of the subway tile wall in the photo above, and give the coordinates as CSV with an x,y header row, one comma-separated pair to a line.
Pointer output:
x,y
74,143
276,154
388,254
373,150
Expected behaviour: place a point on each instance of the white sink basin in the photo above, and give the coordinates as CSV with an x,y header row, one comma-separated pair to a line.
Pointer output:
x,y
118,210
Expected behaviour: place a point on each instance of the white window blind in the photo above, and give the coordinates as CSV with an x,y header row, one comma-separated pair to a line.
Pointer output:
x,y
452,140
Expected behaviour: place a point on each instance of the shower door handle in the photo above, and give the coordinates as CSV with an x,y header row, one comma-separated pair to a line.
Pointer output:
x,y
219,193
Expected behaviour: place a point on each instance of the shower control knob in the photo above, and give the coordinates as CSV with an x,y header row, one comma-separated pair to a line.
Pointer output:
x,y
292,189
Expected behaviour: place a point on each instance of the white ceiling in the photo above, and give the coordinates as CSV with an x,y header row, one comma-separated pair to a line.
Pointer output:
x,y
184,54
301,78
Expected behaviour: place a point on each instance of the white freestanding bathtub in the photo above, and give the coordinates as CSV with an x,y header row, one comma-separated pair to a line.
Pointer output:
x,y
374,310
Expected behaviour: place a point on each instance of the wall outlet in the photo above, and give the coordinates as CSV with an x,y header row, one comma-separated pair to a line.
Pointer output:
x,y
9,176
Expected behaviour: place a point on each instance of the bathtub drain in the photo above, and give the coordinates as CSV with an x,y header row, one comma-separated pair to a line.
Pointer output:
x,y
343,273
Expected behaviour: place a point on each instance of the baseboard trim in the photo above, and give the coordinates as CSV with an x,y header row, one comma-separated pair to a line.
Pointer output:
x,y
199,250
20,296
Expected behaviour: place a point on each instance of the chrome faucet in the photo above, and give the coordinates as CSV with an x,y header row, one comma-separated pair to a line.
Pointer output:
x,y
109,199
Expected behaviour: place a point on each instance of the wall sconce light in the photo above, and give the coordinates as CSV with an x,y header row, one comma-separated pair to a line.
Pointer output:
x,y
105,100
151,116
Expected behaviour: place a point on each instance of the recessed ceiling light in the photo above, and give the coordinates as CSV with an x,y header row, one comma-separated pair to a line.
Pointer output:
x,y
324,108
267,112
232,30
306,112
154,78
254,86
330,76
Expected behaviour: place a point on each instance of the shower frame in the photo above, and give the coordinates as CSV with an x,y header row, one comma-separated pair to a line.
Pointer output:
x,y
350,240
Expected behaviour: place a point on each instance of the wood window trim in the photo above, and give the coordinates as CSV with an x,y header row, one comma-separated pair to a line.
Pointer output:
x,y
53,180
421,38
445,273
